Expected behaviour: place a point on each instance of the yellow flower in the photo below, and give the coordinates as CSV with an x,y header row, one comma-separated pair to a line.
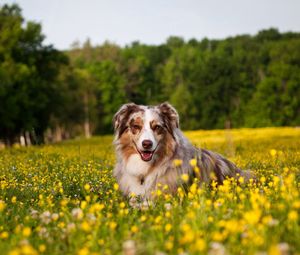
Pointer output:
x,y
85,226
193,162
4,235
116,186
168,227
134,229
273,152
193,188
169,245
143,218
83,205
87,187
2,205
26,231
63,202
28,249
84,251
122,205
42,248
112,225
158,192
252,217
177,162
293,215
14,199
185,177
200,245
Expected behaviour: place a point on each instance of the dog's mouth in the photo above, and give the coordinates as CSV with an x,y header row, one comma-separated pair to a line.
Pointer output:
x,y
146,155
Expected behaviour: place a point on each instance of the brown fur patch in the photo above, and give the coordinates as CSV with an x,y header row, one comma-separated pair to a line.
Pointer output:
x,y
121,117
136,125
127,147
156,127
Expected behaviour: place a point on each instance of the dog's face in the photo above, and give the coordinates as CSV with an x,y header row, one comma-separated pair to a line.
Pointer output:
x,y
145,129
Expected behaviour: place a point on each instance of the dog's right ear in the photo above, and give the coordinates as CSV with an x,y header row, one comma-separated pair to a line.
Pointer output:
x,y
121,117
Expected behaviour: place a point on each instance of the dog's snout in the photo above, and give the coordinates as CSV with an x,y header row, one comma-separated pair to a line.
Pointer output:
x,y
147,144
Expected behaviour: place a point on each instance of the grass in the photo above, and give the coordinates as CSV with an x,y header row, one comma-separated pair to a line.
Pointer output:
x,y
62,199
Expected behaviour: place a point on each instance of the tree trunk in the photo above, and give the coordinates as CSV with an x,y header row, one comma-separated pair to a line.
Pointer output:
x,y
57,134
27,138
86,126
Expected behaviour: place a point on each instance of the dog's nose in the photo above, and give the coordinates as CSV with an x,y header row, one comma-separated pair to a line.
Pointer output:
x,y
147,144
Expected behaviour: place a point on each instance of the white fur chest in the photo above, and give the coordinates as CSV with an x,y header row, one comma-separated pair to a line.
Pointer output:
x,y
136,166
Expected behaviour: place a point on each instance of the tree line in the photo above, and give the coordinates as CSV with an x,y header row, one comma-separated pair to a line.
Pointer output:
x,y
47,94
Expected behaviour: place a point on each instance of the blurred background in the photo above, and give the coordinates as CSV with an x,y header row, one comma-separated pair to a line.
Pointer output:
x,y
67,66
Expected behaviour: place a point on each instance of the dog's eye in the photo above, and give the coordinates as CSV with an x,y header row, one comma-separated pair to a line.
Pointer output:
x,y
157,128
136,127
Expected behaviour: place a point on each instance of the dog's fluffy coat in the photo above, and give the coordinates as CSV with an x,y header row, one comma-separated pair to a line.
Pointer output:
x,y
139,170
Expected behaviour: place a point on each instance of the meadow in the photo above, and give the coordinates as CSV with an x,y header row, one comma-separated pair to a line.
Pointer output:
x,y
63,199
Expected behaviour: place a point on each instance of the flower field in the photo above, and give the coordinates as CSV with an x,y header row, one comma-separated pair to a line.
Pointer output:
x,y
62,199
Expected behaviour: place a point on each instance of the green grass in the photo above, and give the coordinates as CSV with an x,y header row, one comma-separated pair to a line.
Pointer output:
x,y
62,199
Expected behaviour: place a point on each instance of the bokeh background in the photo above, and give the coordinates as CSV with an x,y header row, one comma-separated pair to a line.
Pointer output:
x,y
67,66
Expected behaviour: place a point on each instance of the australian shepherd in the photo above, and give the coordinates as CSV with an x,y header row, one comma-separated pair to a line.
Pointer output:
x,y
151,150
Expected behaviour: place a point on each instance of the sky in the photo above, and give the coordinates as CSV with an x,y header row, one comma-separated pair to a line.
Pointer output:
x,y
153,21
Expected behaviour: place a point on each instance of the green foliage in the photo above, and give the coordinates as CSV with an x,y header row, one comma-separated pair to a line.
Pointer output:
x,y
28,70
242,81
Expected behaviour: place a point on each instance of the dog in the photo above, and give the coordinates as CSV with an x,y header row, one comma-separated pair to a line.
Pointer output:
x,y
148,141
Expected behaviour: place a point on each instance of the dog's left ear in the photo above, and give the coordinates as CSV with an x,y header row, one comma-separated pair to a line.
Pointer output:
x,y
169,115
122,115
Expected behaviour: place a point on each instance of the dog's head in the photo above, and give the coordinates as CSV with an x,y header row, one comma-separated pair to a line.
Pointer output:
x,y
145,129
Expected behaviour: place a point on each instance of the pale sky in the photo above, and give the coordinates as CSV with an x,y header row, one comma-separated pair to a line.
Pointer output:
x,y
153,21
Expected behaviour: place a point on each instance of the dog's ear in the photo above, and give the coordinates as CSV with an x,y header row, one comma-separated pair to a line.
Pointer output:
x,y
121,117
170,115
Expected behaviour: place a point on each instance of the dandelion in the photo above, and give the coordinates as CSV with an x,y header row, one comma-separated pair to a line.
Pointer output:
x,y
143,218
83,251
200,245
4,235
185,177
193,162
177,162
42,248
273,152
252,217
169,245
87,187
158,192
26,232
2,205
293,215
112,225
83,205
168,227
14,199
134,229
85,226
116,186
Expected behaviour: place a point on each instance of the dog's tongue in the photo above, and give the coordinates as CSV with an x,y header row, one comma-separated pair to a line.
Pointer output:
x,y
146,155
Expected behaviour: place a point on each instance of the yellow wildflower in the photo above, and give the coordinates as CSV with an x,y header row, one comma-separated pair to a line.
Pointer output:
x,y
177,162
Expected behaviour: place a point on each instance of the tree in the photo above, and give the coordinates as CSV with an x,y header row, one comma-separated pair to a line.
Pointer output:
x,y
28,72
